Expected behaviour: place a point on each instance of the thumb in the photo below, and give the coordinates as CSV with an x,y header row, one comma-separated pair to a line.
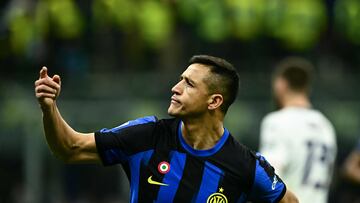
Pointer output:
x,y
57,79
43,72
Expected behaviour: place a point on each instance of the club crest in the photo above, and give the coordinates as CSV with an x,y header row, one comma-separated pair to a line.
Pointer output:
x,y
217,197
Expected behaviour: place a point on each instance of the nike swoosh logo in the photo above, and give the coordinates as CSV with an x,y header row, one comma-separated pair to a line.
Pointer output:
x,y
155,182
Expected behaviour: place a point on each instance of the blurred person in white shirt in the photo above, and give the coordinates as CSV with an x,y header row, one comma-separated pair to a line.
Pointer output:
x,y
298,140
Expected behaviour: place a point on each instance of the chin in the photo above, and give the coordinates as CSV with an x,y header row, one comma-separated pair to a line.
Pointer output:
x,y
174,112
171,111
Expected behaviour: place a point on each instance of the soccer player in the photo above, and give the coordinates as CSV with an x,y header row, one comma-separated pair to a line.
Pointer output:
x,y
189,158
298,140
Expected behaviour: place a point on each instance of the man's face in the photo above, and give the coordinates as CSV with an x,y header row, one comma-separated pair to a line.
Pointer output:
x,y
190,94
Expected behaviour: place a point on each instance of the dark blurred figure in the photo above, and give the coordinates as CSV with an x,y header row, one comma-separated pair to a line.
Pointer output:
x,y
348,188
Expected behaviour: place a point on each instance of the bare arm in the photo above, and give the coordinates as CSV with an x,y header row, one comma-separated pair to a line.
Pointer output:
x,y
64,142
352,167
289,197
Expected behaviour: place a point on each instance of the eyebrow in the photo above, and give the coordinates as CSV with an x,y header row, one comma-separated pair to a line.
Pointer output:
x,y
187,79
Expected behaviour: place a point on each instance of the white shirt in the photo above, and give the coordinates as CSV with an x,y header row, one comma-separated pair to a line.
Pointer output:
x,y
300,143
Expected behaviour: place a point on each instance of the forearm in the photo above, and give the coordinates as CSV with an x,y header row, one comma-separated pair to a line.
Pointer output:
x,y
352,167
60,137
354,174
64,142
289,197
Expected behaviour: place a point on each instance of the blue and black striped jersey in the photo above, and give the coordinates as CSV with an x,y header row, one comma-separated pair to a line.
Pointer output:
x,y
162,167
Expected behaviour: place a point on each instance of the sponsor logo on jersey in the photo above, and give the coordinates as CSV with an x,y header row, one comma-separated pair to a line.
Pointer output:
x,y
275,180
217,197
164,167
153,182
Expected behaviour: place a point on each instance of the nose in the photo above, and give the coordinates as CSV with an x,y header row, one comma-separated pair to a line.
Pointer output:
x,y
176,89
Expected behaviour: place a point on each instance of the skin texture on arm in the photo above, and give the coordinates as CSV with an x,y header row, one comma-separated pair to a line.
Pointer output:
x,y
352,167
66,144
289,197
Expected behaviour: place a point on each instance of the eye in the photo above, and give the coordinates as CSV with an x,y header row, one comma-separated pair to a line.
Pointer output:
x,y
189,83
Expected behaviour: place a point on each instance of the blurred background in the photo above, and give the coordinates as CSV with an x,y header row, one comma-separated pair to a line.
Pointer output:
x,y
118,60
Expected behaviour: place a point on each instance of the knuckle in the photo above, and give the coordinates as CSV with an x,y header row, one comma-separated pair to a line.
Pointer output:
x,y
39,88
37,82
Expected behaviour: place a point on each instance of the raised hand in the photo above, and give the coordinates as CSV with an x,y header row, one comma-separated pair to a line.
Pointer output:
x,y
47,89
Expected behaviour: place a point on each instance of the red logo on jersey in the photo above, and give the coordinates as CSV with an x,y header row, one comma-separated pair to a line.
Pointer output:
x,y
164,167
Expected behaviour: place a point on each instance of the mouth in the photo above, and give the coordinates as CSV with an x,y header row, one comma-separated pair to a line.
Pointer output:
x,y
174,100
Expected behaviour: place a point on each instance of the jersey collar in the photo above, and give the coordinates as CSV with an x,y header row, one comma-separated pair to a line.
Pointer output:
x,y
207,152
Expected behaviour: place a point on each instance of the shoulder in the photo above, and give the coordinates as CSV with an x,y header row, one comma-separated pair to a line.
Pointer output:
x,y
137,135
165,133
253,171
168,122
239,159
243,153
131,123
163,124
320,116
167,126
235,146
321,123
148,125
274,117
274,123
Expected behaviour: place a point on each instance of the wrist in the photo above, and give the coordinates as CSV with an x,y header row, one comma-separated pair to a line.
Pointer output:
x,y
48,108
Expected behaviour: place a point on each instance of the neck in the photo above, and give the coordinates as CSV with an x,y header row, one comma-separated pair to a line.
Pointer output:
x,y
202,133
296,100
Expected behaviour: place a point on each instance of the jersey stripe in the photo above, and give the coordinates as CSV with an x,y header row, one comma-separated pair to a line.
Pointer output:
x,y
177,164
148,192
242,198
231,187
136,161
191,180
210,182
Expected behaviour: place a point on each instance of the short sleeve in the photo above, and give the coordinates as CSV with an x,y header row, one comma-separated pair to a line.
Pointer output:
x,y
273,144
117,144
267,186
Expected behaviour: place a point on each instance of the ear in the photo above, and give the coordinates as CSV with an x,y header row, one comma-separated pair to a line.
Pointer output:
x,y
215,101
280,85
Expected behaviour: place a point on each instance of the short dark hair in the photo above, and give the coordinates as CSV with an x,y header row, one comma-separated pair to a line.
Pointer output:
x,y
298,73
224,79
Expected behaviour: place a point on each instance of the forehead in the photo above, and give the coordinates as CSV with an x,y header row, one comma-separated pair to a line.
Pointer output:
x,y
196,72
